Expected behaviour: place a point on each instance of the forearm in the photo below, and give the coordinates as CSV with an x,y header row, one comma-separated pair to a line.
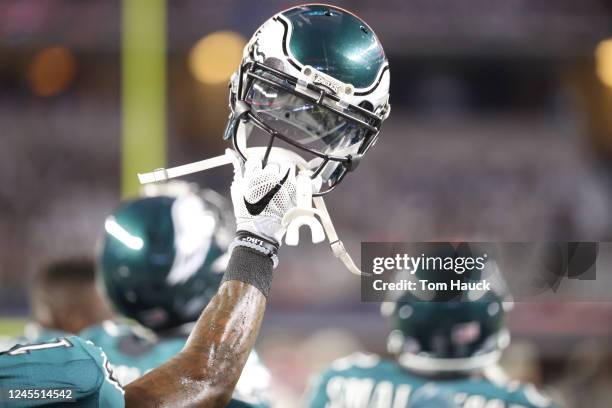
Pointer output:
x,y
206,371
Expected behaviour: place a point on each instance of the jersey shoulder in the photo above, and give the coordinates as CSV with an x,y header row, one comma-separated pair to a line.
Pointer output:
x,y
358,364
362,364
131,350
169,347
361,378
41,335
112,333
528,395
63,363
513,393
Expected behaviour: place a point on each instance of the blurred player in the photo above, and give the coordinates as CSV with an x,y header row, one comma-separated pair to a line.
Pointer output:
x,y
449,341
182,236
64,301
206,370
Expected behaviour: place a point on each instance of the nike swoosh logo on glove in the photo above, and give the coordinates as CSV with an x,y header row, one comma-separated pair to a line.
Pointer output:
x,y
257,207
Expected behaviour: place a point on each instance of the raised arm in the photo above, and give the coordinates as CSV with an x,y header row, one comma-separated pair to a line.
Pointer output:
x,y
206,371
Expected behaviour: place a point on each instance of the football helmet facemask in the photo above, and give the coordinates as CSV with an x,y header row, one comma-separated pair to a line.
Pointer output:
x,y
316,78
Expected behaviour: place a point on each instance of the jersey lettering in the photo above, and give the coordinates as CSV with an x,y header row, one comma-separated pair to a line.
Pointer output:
x,y
351,392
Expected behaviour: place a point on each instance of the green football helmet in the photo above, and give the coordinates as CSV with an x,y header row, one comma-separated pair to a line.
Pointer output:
x,y
163,255
449,331
313,78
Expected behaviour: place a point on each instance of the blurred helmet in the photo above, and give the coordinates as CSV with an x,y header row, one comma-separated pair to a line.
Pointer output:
x,y
449,330
163,255
314,78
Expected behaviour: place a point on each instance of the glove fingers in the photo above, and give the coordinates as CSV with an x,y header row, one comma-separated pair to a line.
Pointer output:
x,y
252,165
259,202
282,167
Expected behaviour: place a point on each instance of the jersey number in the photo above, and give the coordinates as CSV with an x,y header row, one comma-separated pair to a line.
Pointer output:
x,y
16,351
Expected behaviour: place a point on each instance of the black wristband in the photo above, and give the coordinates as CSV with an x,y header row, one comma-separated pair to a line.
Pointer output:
x,y
250,266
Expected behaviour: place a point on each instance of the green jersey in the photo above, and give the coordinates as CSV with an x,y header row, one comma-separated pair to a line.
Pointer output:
x,y
51,374
365,380
133,353
128,349
131,350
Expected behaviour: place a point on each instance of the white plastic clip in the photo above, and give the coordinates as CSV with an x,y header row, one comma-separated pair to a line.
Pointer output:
x,y
303,213
304,79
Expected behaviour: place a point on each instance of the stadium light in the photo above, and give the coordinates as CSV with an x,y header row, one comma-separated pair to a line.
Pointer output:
x,y
603,57
131,241
51,71
214,57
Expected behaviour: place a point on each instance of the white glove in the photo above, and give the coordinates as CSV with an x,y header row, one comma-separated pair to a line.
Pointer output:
x,y
261,197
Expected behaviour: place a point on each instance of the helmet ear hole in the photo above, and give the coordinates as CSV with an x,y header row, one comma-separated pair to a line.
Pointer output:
x,y
367,105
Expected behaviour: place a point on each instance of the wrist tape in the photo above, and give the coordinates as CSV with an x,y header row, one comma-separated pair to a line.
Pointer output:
x,y
250,266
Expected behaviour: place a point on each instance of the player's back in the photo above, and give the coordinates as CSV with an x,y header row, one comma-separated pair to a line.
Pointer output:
x,y
365,380
52,373
481,391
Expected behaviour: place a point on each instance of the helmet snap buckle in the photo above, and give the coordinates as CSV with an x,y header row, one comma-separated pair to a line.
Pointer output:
x,y
303,213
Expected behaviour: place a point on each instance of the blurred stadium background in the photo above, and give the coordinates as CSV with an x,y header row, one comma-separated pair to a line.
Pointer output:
x,y
501,129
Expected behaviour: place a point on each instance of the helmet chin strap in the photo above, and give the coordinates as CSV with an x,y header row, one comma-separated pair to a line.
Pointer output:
x,y
317,219
336,245
303,213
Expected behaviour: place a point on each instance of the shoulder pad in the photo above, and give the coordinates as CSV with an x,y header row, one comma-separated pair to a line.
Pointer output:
x,y
534,397
356,360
